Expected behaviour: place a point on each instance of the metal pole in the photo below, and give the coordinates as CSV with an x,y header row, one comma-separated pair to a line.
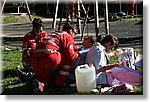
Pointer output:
x,y
78,20
106,18
61,17
18,9
83,7
84,24
136,10
120,6
96,18
3,6
28,10
54,20
67,9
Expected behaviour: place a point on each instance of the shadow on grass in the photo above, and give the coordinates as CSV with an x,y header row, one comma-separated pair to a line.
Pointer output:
x,y
12,86
21,89
9,73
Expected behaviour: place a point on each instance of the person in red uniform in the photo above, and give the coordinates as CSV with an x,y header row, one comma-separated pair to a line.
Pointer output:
x,y
30,40
55,51
130,7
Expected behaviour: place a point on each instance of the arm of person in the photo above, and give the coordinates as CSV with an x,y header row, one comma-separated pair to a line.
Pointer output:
x,y
113,54
110,66
76,47
26,41
68,47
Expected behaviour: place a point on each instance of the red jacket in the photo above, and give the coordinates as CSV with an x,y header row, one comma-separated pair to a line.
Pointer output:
x,y
32,36
52,52
61,42
29,43
66,44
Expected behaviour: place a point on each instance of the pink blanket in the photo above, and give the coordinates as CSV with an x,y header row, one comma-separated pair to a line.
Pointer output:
x,y
123,75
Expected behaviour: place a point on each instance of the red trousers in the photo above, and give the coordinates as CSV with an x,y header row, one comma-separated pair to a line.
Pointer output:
x,y
43,65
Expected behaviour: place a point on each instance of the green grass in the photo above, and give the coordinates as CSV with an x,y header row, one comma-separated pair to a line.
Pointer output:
x,y
12,85
25,18
132,19
16,19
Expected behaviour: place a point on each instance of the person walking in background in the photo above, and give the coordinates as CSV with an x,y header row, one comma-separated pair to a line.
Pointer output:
x,y
130,4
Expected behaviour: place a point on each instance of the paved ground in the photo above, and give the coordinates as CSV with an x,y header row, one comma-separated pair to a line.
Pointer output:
x,y
130,34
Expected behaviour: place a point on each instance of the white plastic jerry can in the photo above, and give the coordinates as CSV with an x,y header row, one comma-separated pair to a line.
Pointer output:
x,y
85,78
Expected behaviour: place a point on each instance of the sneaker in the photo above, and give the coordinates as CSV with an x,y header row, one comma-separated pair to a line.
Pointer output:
x,y
24,76
39,88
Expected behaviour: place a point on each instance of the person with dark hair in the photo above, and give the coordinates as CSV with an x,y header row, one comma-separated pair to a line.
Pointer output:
x,y
87,43
99,56
110,74
55,52
99,38
30,40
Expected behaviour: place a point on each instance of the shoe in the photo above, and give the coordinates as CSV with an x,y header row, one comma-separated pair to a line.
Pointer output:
x,y
39,88
21,74
24,76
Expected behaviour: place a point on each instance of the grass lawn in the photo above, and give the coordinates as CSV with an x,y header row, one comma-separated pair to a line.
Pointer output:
x,y
12,86
17,19
25,18
11,59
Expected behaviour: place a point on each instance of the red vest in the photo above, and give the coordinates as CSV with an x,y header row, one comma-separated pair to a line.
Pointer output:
x,y
29,43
